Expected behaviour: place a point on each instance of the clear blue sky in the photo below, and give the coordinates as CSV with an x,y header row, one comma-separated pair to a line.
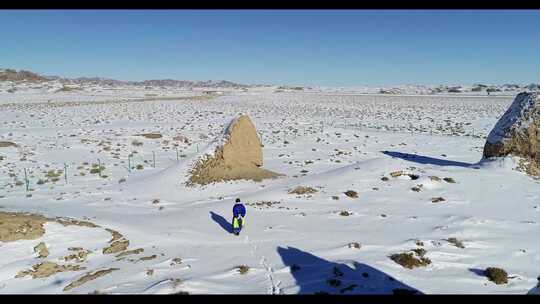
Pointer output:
x,y
297,47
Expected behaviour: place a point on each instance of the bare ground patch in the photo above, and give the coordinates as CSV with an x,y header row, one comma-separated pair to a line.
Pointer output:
x,y
47,269
89,277
5,144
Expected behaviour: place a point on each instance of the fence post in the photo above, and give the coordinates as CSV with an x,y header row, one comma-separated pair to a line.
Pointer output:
x,y
129,163
154,158
99,167
177,157
26,181
65,172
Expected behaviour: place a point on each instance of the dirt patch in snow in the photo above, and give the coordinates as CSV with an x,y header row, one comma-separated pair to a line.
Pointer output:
x,y
5,144
302,190
150,135
24,226
80,256
47,269
129,252
239,158
89,277
19,226
116,247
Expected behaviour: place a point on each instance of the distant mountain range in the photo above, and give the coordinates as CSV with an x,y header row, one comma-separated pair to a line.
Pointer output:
x,y
22,75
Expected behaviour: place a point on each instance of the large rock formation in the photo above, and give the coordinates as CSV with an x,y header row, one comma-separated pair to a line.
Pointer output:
x,y
518,133
238,157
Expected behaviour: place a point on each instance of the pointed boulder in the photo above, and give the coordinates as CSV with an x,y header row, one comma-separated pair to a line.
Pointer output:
x,y
238,157
517,133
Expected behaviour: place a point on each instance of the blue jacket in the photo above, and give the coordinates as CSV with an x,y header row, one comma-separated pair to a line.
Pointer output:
x,y
239,209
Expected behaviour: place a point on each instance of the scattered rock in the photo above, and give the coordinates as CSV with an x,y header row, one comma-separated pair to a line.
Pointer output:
x,y
437,200
354,245
351,194
455,242
416,188
42,250
449,180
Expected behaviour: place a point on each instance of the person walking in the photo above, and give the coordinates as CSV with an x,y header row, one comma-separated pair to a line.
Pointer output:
x,y
239,212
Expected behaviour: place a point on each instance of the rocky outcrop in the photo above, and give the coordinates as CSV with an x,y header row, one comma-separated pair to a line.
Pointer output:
x,y
517,133
238,157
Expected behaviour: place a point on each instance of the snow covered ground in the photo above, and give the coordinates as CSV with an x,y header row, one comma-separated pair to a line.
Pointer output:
x,y
292,243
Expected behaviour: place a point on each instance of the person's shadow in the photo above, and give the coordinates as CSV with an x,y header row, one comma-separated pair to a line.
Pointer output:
x,y
222,222
317,275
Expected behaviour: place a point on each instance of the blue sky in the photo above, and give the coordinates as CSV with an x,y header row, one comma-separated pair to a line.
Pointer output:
x,y
297,47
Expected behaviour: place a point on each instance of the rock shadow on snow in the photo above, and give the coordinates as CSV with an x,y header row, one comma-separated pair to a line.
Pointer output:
x,y
316,275
426,160
221,221
535,290
478,271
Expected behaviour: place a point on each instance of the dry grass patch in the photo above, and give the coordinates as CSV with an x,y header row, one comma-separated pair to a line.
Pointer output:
x,y
301,190
496,275
242,269
396,173
411,260
150,135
